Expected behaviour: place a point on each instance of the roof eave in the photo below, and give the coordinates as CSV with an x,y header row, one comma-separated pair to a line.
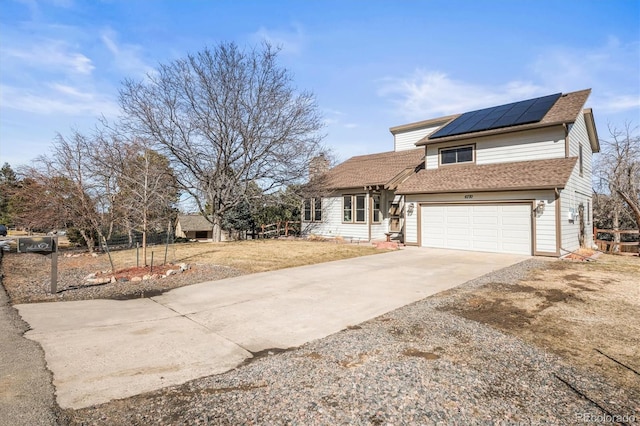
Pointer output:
x,y
421,124
456,191
591,130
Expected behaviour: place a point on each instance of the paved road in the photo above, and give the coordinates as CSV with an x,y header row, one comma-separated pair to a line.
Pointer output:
x,y
101,350
26,392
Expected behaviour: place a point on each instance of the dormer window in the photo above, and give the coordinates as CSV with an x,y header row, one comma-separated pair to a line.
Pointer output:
x,y
456,155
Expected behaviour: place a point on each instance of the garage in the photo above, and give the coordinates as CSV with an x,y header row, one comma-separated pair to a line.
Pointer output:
x,y
499,228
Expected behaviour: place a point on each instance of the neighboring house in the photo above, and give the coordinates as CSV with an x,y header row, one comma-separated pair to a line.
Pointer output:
x,y
514,178
194,227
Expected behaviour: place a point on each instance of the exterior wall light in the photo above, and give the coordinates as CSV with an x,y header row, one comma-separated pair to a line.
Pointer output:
x,y
410,208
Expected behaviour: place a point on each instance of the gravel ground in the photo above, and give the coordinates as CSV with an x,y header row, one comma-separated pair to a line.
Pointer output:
x,y
420,364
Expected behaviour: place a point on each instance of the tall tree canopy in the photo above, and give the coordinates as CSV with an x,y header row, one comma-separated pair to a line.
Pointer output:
x,y
617,177
227,118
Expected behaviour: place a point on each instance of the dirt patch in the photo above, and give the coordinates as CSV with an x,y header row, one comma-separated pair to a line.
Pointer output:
x,y
575,309
430,356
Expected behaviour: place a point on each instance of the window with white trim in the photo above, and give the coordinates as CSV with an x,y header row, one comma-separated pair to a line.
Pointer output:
x,y
456,155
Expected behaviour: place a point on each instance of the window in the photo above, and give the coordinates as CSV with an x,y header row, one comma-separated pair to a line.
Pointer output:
x,y
459,154
347,208
317,209
375,204
354,207
307,211
360,208
580,159
312,210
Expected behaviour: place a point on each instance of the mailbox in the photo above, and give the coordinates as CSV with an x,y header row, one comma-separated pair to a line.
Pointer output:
x,y
42,245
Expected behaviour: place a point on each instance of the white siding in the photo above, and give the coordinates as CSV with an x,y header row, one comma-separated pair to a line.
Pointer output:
x,y
545,223
523,146
406,140
578,190
332,225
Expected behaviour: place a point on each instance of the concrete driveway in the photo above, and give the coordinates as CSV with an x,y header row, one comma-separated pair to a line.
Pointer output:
x,y
100,350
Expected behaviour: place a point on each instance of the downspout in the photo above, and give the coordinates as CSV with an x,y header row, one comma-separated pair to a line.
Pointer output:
x,y
558,221
370,213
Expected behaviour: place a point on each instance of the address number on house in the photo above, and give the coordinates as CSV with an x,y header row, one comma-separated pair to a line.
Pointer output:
x,y
468,197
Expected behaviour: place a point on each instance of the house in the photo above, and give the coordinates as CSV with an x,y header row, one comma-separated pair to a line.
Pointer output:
x,y
513,178
194,227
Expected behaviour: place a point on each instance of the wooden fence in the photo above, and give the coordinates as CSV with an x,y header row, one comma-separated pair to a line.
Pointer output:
x,y
610,246
278,229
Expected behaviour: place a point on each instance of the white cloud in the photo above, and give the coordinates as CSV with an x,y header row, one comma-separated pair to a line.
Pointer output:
x,y
127,57
61,100
53,55
427,94
610,70
290,41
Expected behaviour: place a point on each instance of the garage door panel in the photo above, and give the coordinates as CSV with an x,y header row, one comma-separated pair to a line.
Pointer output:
x,y
486,232
485,246
485,220
502,228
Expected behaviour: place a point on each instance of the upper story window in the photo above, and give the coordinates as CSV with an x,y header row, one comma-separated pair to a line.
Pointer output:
x,y
456,155
581,160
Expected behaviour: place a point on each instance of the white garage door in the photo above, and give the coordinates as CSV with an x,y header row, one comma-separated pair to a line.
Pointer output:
x,y
500,228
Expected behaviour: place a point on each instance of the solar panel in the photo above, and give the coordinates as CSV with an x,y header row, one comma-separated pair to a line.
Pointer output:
x,y
523,112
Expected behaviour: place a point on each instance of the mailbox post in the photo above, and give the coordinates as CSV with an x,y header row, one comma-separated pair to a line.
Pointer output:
x,y
45,246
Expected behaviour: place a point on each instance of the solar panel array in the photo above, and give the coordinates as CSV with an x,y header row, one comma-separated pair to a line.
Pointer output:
x,y
523,112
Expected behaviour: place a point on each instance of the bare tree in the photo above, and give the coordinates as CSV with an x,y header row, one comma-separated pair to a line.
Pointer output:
x,y
144,184
618,172
226,118
61,189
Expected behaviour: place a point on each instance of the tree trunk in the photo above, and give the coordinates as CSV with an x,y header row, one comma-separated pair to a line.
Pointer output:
x,y
89,240
217,228
144,239
616,227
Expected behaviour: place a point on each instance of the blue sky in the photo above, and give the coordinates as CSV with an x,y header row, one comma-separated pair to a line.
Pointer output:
x,y
372,64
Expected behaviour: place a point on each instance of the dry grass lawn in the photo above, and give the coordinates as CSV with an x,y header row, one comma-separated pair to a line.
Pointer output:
x,y
582,311
250,256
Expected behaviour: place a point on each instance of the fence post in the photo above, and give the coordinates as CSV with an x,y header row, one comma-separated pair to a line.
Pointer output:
x,y
262,231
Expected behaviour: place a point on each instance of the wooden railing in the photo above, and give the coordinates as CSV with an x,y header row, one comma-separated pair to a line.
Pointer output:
x,y
610,246
275,230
